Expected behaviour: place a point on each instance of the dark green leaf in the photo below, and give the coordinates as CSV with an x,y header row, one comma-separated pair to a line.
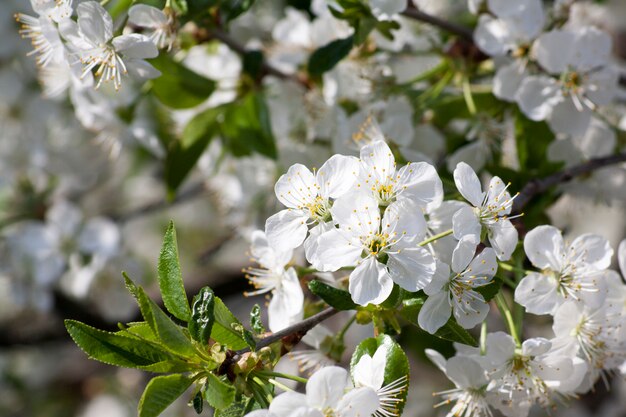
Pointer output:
x,y
231,9
168,332
198,403
339,299
202,318
180,6
396,366
182,155
161,392
325,58
179,87
253,63
114,348
246,127
490,290
171,278
255,320
238,408
217,393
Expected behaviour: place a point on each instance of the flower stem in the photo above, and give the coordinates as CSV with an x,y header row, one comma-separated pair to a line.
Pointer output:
x,y
512,268
467,95
483,338
435,237
506,313
345,328
279,385
281,375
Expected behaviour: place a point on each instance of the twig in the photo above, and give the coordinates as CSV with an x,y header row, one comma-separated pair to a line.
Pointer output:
x,y
461,31
204,35
538,186
298,328
190,193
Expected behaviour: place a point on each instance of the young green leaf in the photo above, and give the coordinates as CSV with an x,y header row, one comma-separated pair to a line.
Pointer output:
x,y
168,332
162,391
256,323
218,393
339,299
170,277
396,364
179,87
325,58
198,403
227,328
238,408
202,318
114,348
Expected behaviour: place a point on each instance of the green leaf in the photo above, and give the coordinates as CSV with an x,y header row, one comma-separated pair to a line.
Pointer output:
x,y
198,403
180,6
226,328
183,155
325,58
217,393
490,290
171,278
202,318
169,333
339,299
231,9
396,364
162,391
179,87
238,408
246,127
114,348
450,331
256,323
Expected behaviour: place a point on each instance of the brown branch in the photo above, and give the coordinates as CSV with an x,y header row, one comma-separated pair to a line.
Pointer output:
x,y
540,185
203,35
188,194
300,329
461,31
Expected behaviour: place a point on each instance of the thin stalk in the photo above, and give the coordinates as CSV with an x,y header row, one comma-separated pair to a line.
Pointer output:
x,y
508,281
435,237
279,385
483,338
512,268
345,328
281,375
506,313
467,95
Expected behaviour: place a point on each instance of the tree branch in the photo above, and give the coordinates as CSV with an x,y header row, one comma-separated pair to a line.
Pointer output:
x,y
299,328
538,186
203,35
189,193
461,31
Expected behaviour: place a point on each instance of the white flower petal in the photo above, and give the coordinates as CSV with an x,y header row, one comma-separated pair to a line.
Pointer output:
x,y
554,50
435,312
493,36
508,79
537,95
439,279
286,229
468,184
370,283
297,188
337,176
412,268
357,213
285,404
592,49
286,303
335,250
566,118
538,294
146,16
464,253
465,223
436,358
404,220
591,250
420,182
325,387
466,372
94,22
544,247
471,311
359,402
134,45
142,70
378,161
503,238
621,257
